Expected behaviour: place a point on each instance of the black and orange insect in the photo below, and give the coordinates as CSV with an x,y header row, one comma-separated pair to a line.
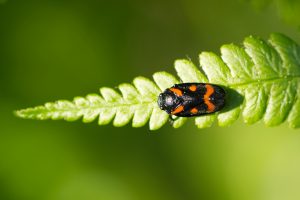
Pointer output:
x,y
192,99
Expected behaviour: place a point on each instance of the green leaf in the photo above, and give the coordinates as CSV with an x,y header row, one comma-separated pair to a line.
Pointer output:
x,y
261,79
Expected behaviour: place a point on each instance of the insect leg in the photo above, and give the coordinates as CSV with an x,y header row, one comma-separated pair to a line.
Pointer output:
x,y
172,120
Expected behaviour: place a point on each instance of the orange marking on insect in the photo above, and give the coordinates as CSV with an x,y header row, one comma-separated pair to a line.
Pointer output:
x,y
193,88
209,91
210,106
178,92
177,110
194,110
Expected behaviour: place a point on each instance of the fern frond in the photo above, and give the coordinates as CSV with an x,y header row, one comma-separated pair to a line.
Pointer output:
x,y
262,82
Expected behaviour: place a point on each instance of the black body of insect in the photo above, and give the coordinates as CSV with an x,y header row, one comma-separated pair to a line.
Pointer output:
x,y
192,99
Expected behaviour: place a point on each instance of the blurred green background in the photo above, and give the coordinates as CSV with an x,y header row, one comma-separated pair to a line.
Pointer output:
x,y
58,49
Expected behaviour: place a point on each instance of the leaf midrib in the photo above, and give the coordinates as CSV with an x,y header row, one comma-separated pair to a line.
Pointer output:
x,y
265,81
94,108
147,103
